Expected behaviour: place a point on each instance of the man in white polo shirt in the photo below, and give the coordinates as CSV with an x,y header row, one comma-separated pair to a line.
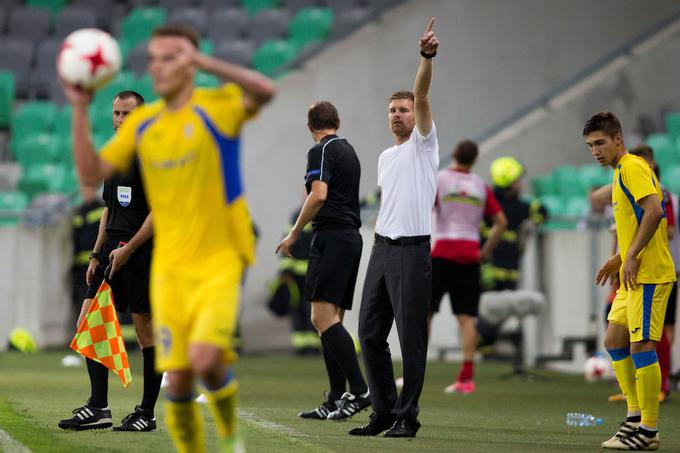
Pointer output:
x,y
399,276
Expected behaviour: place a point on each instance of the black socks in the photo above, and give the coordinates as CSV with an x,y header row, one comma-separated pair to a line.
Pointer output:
x,y
341,346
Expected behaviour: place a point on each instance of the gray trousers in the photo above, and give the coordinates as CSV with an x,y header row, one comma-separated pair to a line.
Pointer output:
x,y
397,288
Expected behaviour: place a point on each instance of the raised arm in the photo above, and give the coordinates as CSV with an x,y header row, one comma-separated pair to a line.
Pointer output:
x,y
259,89
91,169
421,87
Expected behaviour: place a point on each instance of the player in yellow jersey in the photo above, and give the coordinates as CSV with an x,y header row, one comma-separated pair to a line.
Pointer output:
x,y
646,272
188,147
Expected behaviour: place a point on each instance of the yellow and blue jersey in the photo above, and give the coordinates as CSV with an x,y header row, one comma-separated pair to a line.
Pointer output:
x,y
191,171
633,181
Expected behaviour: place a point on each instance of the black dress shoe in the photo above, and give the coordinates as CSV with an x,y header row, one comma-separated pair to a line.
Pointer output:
x,y
376,425
403,428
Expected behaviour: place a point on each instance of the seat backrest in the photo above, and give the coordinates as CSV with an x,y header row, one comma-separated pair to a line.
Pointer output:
x,y
229,23
273,55
34,117
269,24
140,23
73,18
54,6
195,18
311,24
16,53
172,4
212,5
239,52
102,8
137,58
29,23
255,6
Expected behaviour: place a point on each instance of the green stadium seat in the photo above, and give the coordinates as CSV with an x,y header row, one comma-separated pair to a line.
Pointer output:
x,y
558,217
544,185
311,24
667,156
32,118
673,125
7,94
273,55
42,178
125,80
206,80
658,141
100,118
567,181
144,86
54,6
576,207
140,23
12,205
35,149
207,46
63,121
255,6
592,176
671,179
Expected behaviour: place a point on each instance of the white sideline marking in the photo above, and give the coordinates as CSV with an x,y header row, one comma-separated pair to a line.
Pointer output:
x,y
8,444
267,424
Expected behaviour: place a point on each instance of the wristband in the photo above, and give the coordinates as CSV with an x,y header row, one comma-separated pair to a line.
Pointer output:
x,y
429,56
95,256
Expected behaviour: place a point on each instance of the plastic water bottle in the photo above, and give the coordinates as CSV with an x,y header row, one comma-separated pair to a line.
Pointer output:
x,y
580,419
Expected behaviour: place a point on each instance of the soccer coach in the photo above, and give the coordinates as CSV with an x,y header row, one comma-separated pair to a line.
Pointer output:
x,y
399,276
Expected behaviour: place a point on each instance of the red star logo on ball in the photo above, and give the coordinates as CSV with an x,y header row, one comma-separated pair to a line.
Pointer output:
x,y
96,60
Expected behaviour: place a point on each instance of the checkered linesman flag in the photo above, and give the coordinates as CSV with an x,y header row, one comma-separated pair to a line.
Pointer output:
x,y
99,337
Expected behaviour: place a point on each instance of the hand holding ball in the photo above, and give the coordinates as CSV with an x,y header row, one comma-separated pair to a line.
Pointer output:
x,y
89,59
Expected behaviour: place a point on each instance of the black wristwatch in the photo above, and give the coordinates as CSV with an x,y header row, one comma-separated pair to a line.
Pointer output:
x,y
95,256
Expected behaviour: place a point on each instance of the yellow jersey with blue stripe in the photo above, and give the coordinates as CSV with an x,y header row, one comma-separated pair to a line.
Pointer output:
x,y
634,180
191,172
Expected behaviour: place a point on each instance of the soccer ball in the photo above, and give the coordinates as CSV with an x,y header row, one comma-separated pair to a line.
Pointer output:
x,y
89,58
598,368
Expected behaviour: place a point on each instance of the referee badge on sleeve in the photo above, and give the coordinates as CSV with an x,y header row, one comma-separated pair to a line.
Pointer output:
x,y
124,195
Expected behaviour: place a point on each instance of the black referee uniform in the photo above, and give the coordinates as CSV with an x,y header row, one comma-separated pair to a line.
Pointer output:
x,y
336,245
332,272
125,199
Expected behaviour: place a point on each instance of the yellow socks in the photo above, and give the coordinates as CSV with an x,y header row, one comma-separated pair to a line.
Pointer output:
x,y
625,374
222,404
185,423
648,383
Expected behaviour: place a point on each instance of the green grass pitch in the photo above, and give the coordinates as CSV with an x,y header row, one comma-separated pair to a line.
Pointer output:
x,y
504,415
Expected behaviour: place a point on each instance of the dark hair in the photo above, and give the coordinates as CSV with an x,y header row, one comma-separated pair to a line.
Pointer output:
x,y
603,121
403,94
323,115
644,151
465,152
127,94
177,30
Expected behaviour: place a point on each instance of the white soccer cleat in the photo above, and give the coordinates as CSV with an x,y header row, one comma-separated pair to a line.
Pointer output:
x,y
164,381
635,440
201,399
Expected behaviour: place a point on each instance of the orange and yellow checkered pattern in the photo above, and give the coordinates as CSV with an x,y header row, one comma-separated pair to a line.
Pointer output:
x,y
99,337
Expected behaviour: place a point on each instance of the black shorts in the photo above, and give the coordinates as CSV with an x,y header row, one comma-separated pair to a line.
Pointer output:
x,y
669,320
130,284
461,281
333,267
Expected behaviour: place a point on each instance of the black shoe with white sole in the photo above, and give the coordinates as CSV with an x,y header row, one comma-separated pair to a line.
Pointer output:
x,y
350,405
138,421
88,418
321,412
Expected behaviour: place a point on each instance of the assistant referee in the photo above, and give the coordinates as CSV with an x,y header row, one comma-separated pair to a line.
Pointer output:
x,y
332,205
